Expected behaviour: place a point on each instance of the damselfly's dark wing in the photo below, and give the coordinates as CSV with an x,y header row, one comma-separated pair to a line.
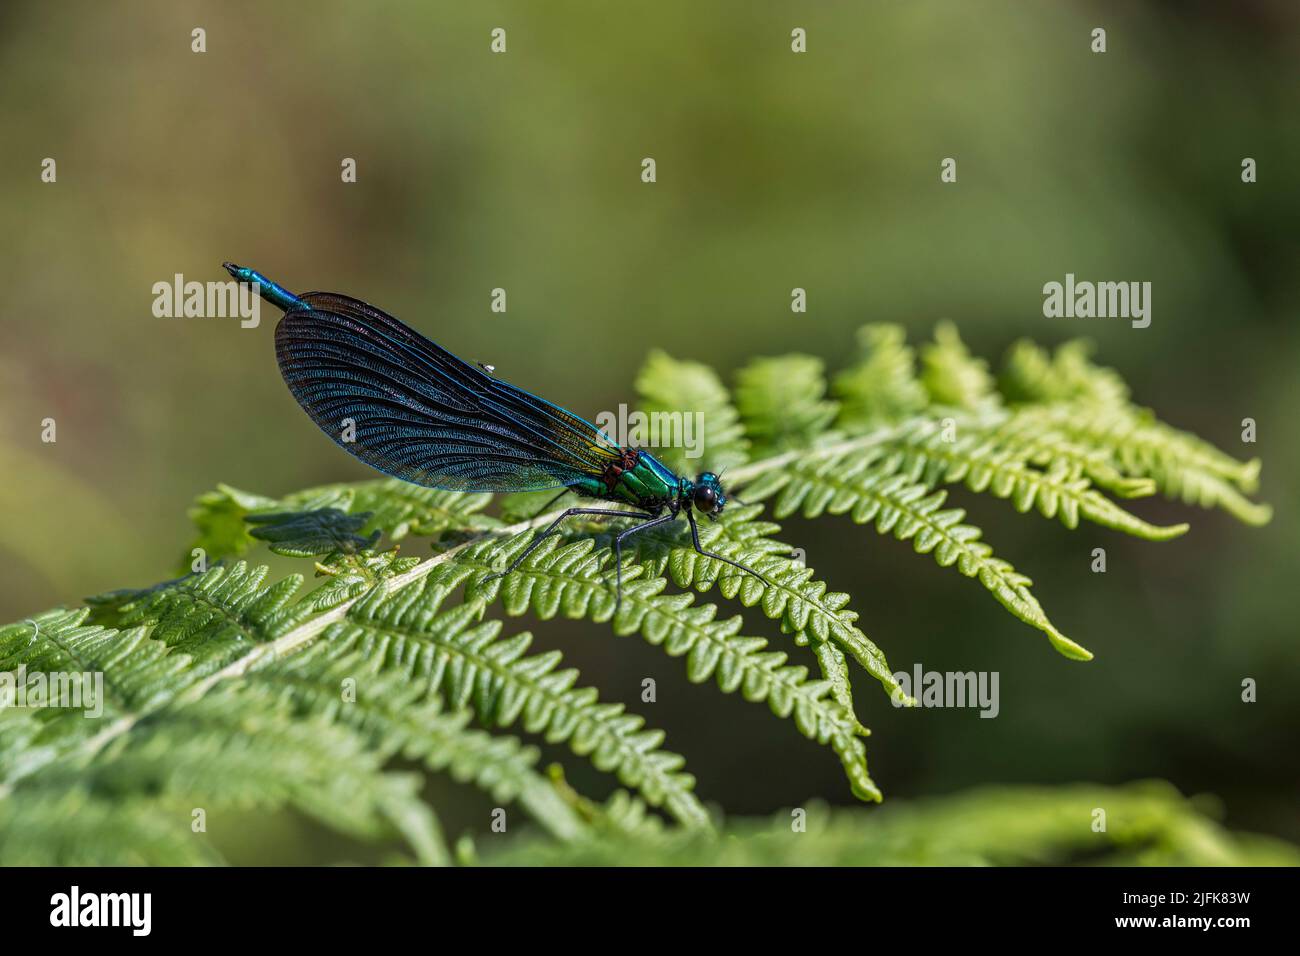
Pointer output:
x,y
409,408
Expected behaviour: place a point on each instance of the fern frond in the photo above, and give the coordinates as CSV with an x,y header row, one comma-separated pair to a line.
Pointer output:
x,y
789,593
670,386
1031,374
782,402
219,519
138,675
979,460
803,605
622,813
470,667
1045,448
911,511
239,747
75,828
951,375
138,671
573,580
399,508
882,386
1181,465
1148,823
399,716
214,616
1067,394
212,749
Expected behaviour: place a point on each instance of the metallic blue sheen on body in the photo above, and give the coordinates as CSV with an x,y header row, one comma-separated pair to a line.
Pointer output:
x,y
272,292
661,471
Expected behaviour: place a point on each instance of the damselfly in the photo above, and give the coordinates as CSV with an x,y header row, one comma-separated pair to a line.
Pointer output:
x,y
410,409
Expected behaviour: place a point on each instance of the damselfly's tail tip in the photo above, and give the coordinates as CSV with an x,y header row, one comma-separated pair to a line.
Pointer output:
x,y
232,268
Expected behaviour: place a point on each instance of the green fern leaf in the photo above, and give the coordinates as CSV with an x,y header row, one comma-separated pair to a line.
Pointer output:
x,y
882,386
1150,824
397,715
976,458
1045,448
220,520
802,604
1030,374
951,375
74,828
782,402
471,667
214,616
573,580
1182,466
138,676
238,747
670,386
1069,395
912,512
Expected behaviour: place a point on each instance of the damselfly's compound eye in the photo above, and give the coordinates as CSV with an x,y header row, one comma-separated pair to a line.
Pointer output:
x,y
705,499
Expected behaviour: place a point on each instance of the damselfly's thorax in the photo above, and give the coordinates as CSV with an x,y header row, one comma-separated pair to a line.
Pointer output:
x,y
636,477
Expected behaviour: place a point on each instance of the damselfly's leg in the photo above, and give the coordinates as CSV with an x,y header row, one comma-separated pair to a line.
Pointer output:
x,y
618,553
553,528
695,537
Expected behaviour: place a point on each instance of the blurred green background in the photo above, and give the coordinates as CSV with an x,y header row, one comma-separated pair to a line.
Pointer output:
x,y
775,170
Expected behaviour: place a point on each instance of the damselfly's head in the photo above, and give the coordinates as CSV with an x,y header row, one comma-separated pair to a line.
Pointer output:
x,y
707,496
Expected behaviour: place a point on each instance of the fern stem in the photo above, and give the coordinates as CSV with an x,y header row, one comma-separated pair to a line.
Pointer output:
x,y
756,469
